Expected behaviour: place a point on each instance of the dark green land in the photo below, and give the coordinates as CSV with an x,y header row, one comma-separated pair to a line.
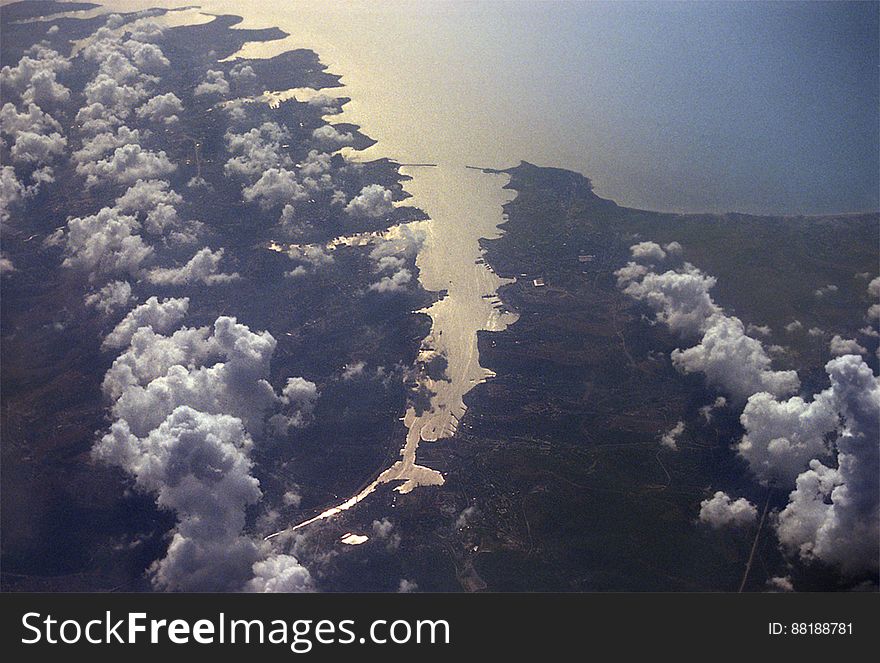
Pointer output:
x,y
560,453
561,449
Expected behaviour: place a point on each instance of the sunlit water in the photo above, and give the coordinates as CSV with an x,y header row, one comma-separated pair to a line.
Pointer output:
x,y
758,107
450,259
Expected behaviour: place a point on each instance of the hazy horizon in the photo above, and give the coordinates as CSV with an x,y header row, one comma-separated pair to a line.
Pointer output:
x,y
766,108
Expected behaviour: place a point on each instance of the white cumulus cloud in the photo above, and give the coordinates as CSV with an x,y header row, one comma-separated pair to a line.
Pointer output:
x,y
203,267
163,109
274,188
722,511
647,251
114,295
727,356
845,346
833,514
128,164
158,316
214,83
669,439
373,201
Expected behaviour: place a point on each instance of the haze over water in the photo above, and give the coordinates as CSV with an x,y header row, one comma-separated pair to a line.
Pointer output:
x,y
752,107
